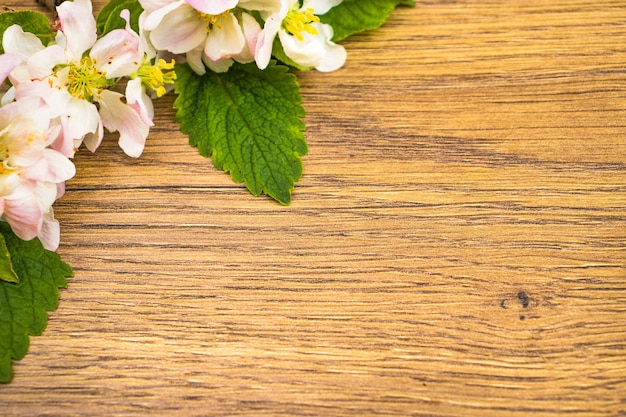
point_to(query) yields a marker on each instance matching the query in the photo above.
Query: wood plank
(456, 246)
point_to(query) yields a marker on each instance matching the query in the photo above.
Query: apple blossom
(31, 174)
(211, 33)
(305, 40)
(74, 75)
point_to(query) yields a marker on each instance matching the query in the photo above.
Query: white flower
(208, 32)
(75, 74)
(305, 40)
(31, 174)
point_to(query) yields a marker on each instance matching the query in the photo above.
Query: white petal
(225, 38)
(117, 116)
(78, 25)
(42, 63)
(314, 50)
(320, 6)
(154, 15)
(308, 53)
(22, 44)
(80, 118)
(179, 31)
(194, 60)
(335, 55)
(150, 6)
(261, 5)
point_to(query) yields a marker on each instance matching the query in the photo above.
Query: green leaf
(7, 273)
(249, 120)
(23, 306)
(30, 21)
(109, 19)
(353, 16)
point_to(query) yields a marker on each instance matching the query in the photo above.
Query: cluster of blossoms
(61, 95)
(214, 33)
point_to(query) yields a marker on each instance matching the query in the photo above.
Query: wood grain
(456, 246)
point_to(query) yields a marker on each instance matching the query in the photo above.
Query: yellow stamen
(211, 19)
(298, 21)
(156, 76)
(84, 80)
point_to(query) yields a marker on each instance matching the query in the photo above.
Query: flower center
(298, 21)
(84, 80)
(18, 133)
(212, 19)
(154, 77)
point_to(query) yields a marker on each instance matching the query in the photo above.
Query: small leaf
(30, 21)
(109, 19)
(353, 16)
(249, 120)
(23, 306)
(6, 267)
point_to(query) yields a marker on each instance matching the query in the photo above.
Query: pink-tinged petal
(24, 142)
(225, 38)
(117, 53)
(57, 99)
(152, 19)
(32, 109)
(78, 25)
(179, 31)
(24, 215)
(217, 66)
(139, 101)
(251, 31)
(60, 168)
(212, 7)
(150, 6)
(22, 44)
(265, 41)
(80, 119)
(42, 63)
(93, 140)
(50, 232)
(118, 116)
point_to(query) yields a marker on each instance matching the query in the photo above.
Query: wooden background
(456, 246)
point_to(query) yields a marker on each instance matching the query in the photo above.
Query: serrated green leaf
(7, 273)
(353, 16)
(249, 120)
(24, 306)
(30, 21)
(109, 19)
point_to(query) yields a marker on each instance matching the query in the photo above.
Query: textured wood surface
(456, 246)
